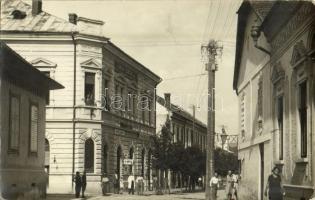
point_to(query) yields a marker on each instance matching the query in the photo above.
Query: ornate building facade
(274, 79)
(94, 123)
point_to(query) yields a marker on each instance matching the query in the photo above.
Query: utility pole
(194, 117)
(211, 50)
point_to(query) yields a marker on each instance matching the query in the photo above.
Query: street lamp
(223, 137)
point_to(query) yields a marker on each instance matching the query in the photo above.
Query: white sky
(166, 36)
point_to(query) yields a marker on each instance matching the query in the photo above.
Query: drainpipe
(74, 104)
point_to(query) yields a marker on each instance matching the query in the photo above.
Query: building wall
(280, 77)
(20, 169)
(127, 129)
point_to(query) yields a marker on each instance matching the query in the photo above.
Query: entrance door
(262, 169)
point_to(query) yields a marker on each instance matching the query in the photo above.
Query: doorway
(262, 169)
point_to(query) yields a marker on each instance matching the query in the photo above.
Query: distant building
(23, 90)
(185, 128)
(274, 81)
(94, 124)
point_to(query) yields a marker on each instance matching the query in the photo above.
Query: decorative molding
(49, 137)
(43, 63)
(299, 52)
(89, 133)
(278, 73)
(91, 64)
(296, 21)
(120, 69)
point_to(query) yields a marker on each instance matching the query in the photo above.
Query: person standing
(274, 187)
(116, 184)
(78, 184)
(83, 183)
(104, 181)
(214, 184)
(229, 184)
(131, 185)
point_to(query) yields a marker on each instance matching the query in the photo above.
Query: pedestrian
(78, 184)
(235, 179)
(83, 183)
(121, 186)
(274, 187)
(214, 184)
(141, 186)
(229, 184)
(131, 185)
(154, 185)
(104, 181)
(116, 183)
(138, 185)
(167, 185)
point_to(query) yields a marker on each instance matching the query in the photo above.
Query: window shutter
(14, 122)
(34, 128)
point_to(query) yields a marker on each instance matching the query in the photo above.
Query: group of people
(80, 184)
(231, 185)
(274, 189)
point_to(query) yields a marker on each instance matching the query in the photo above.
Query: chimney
(167, 97)
(73, 18)
(36, 7)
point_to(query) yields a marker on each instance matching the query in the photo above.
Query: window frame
(94, 88)
(92, 169)
(280, 128)
(303, 111)
(10, 149)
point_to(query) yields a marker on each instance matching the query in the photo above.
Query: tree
(161, 152)
(225, 161)
(194, 165)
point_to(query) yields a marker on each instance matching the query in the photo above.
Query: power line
(183, 77)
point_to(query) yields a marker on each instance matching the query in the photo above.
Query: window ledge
(302, 161)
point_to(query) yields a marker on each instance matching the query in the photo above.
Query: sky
(166, 36)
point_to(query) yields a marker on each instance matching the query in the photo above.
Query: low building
(274, 80)
(185, 127)
(24, 91)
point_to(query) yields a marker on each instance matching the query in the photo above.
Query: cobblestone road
(178, 196)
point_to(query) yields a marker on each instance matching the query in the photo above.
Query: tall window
(34, 123)
(47, 95)
(192, 138)
(14, 123)
(131, 157)
(142, 162)
(280, 125)
(106, 95)
(303, 117)
(150, 112)
(89, 156)
(89, 88)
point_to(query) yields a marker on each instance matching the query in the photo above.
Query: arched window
(118, 162)
(142, 162)
(149, 168)
(131, 151)
(89, 156)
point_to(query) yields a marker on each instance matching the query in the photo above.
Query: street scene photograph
(157, 99)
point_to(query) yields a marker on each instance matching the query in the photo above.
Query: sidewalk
(177, 196)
